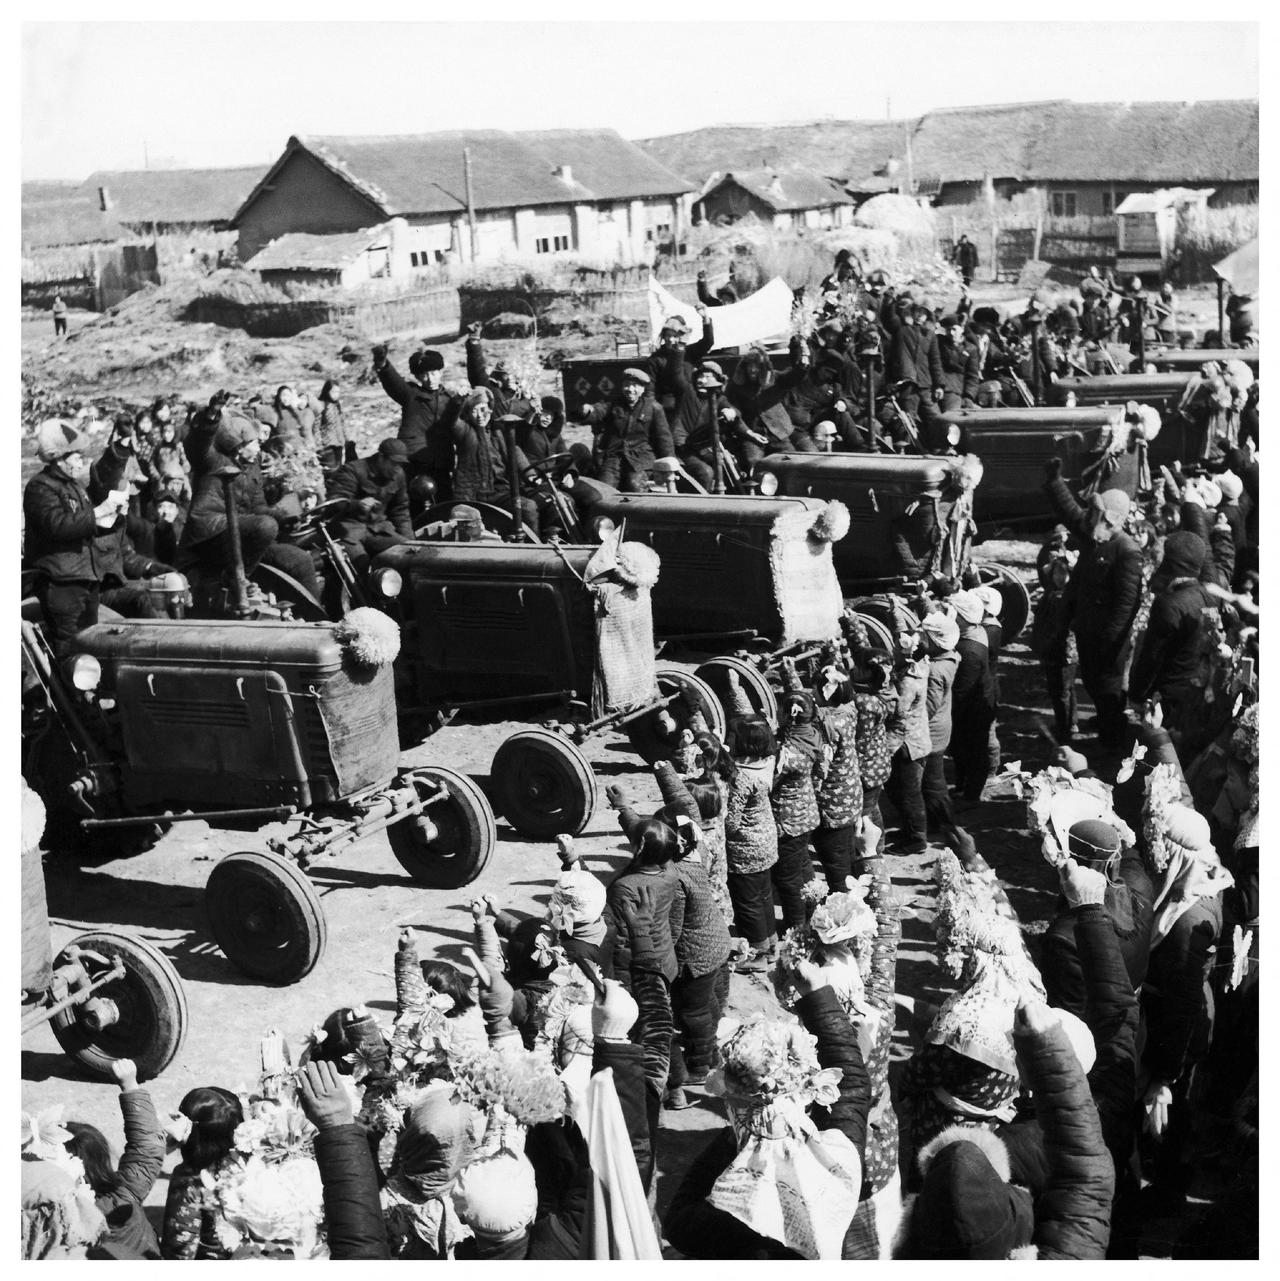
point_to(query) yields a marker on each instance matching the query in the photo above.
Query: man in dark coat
(671, 365)
(631, 433)
(375, 503)
(481, 475)
(60, 527)
(204, 543)
(966, 258)
(960, 366)
(1169, 661)
(427, 411)
(1101, 598)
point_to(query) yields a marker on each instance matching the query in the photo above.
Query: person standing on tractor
(60, 525)
(672, 363)
(427, 413)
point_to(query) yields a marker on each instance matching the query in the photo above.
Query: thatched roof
(784, 190)
(300, 251)
(70, 220)
(1190, 143)
(424, 173)
(605, 163)
(832, 148)
(1199, 143)
(145, 196)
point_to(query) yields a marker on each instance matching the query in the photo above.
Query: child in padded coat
(751, 839)
(840, 796)
(120, 1190)
(802, 763)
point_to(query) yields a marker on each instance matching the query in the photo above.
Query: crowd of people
(1051, 1106)
(1059, 1101)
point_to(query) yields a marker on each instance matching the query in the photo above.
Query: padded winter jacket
(425, 419)
(60, 527)
(1073, 1213)
(129, 1232)
(353, 1214)
(639, 434)
(699, 930)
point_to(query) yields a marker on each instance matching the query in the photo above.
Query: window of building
(413, 260)
(542, 245)
(551, 244)
(562, 243)
(1062, 204)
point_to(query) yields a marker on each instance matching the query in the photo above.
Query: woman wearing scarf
(782, 1180)
(973, 701)
(840, 795)
(1176, 1002)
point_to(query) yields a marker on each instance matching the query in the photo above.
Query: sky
(133, 94)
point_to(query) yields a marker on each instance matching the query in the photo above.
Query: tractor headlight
(388, 583)
(602, 527)
(769, 483)
(85, 672)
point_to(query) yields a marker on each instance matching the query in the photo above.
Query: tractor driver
(374, 514)
(235, 450)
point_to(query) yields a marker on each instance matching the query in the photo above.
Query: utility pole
(146, 163)
(471, 204)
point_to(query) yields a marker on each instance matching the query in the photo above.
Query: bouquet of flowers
(421, 1042)
(764, 1059)
(1163, 790)
(273, 1203)
(843, 917)
(1057, 800)
(522, 1085)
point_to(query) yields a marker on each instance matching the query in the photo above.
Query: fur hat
(991, 599)
(1231, 486)
(552, 405)
(393, 450)
(968, 606)
(675, 325)
(478, 396)
(1113, 504)
(966, 1207)
(56, 439)
(1210, 494)
(233, 435)
(709, 368)
(941, 629)
(425, 362)
(497, 1195)
(1184, 554)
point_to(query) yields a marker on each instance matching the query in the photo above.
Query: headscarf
(436, 1143)
(789, 1181)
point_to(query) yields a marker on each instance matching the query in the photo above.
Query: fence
(434, 311)
(478, 302)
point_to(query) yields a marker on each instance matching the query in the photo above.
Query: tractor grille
(177, 711)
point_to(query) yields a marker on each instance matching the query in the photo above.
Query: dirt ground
(367, 896)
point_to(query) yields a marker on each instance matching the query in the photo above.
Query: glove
(615, 1014)
(1053, 469)
(218, 399)
(1082, 885)
(379, 355)
(1156, 1104)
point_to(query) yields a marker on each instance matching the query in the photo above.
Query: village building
(587, 192)
(1084, 158)
(345, 260)
(787, 199)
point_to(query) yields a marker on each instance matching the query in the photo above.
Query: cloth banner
(619, 1225)
(766, 314)
(1239, 270)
